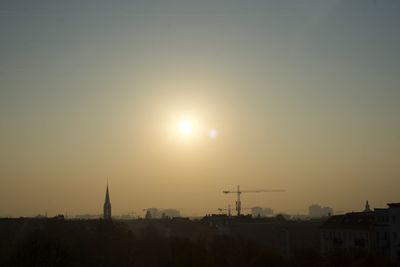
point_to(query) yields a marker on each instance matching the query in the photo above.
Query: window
(394, 236)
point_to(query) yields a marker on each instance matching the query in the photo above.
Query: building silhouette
(154, 213)
(350, 231)
(261, 212)
(376, 231)
(316, 211)
(107, 206)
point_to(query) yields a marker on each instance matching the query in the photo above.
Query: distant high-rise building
(154, 213)
(316, 211)
(170, 213)
(107, 206)
(326, 212)
(261, 212)
(257, 212)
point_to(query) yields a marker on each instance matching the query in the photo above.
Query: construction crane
(228, 210)
(239, 192)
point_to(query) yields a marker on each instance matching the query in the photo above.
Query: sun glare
(185, 127)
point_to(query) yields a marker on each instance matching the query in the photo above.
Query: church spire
(107, 206)
(107, 200)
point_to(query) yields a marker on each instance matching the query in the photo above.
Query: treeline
(102, 243)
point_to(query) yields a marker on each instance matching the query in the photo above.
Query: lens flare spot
(212, 133)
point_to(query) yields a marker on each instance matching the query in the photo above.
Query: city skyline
(315, 211)
(176, 101)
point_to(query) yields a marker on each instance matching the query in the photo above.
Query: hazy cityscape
(200, 133)
(368, 237)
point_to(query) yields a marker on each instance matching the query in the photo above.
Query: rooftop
(353, 220)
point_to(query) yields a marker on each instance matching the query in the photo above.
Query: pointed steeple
(107, 206)
(107, 195)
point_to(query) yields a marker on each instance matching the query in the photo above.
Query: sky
(303, 95)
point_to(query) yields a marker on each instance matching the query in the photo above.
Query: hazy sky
(305, 96)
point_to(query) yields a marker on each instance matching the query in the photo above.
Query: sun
(185, 127)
